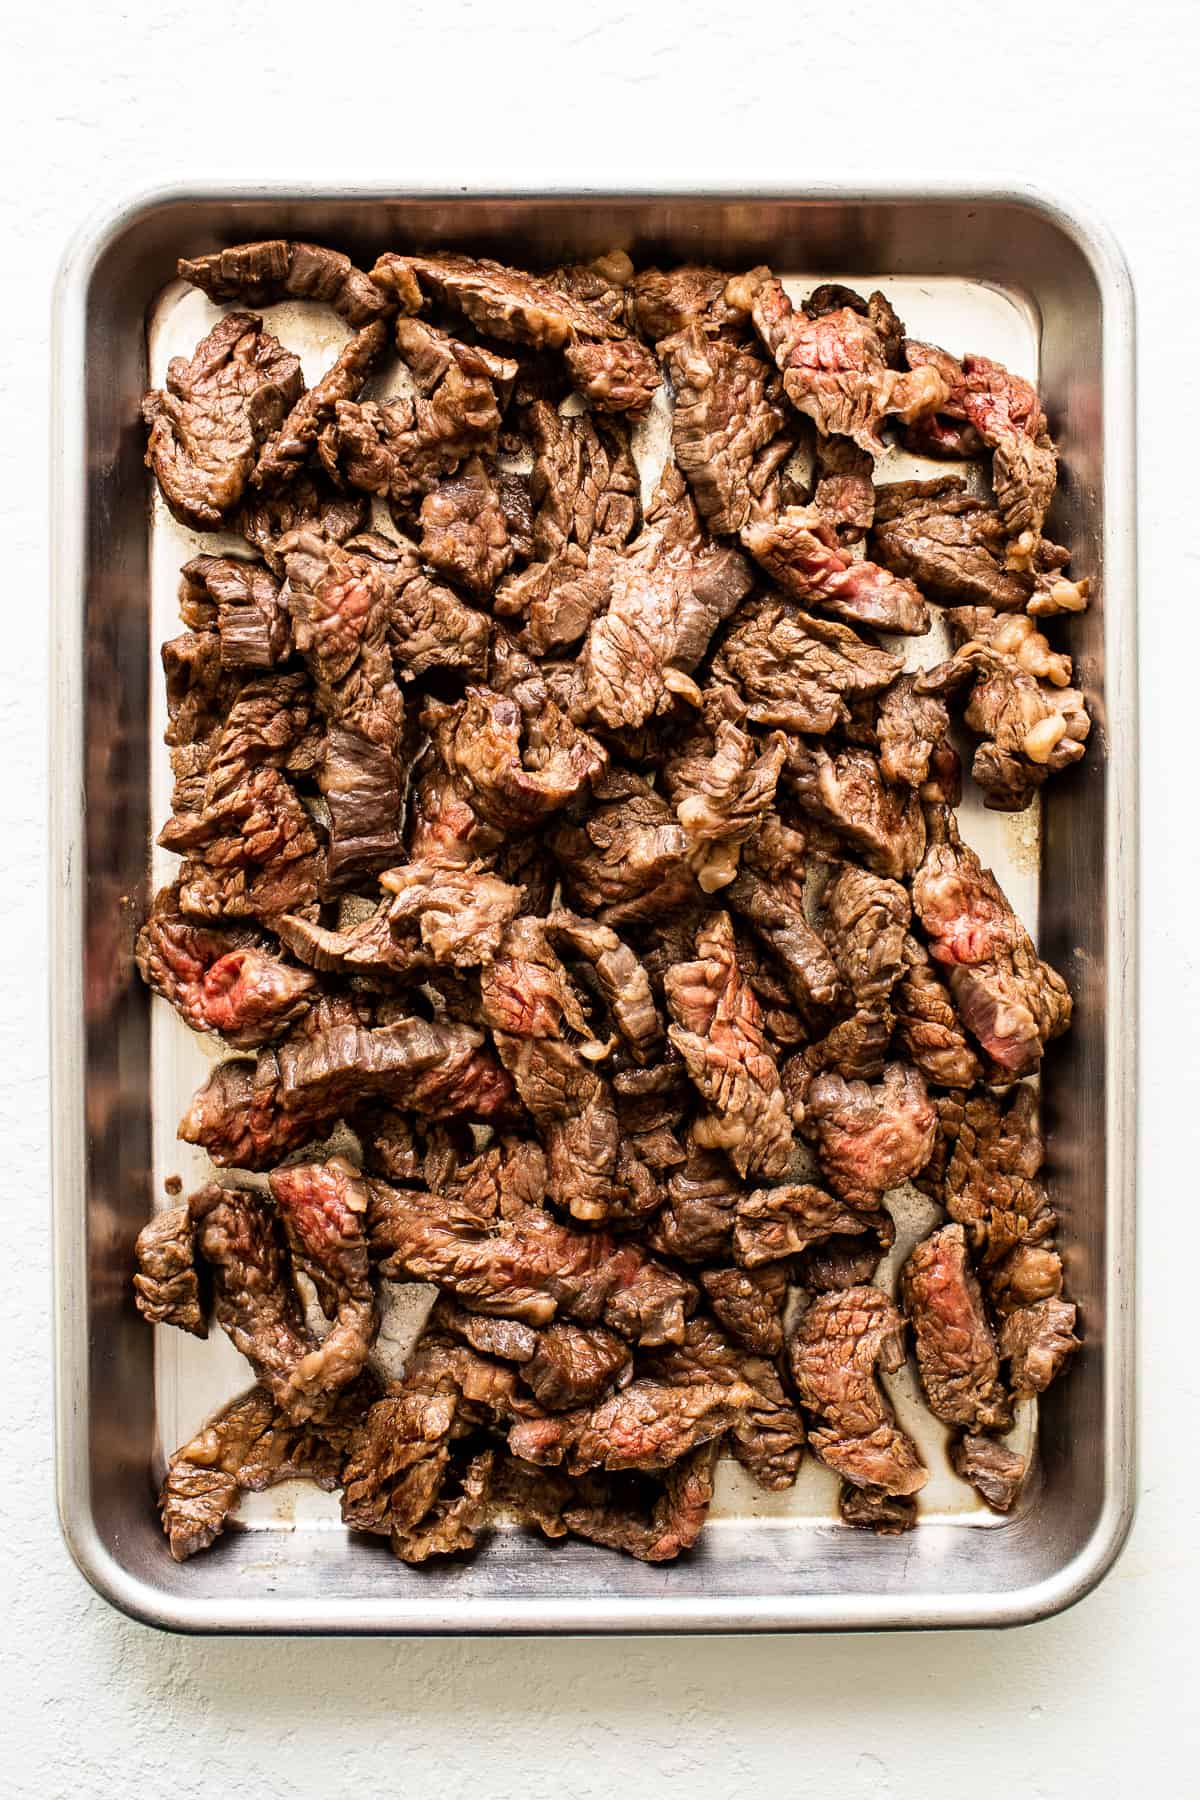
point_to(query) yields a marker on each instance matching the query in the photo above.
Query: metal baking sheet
(1008, 277)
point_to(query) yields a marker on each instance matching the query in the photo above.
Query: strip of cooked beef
(727, 410)
(797, 672)
(261, 274)
(518, 308)
(249, 1446)
(910, 728)
(240, 1240)
(834, 1352)
(647, 1425)
(786, 1021)
(429, 626)
(601, 283)
(460, 914)
(668, 301)
(994, 1470)
(400, 449)
(242, 600)
(721, 787)
(166, 1285)
(323, 1208)
(1009, 1001)
(527, 1266)
(774, 1223)
(799, 549)
(437, 1070)
(847, 792)
(718, 1032)
(835, 366)
(775, 908)
(871, 1509)
(696, 1223)
(865, 920)
(951, 543)
(517, 755)
(869, 1139)
(225, 981)
(339, 607)
(667, 597)
(500, 1182)
(844, 489)
(956, 1348)
(573, 1365)
(209, 422)
(749, 1304)
(307, 500)
(1031, 726)
(845, 1261)
(250, 848)
(626, 860)
(1005, 412)
(617, 976)
(856, 1047)
(236, 1116)
(767, 1432)
(1036, 1341)
(653, 1520)
(464, 534)
(928, 1028)
(288, 449)
(507, 1339)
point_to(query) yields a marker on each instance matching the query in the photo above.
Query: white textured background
(1098, 101)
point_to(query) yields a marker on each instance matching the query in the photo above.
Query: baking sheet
(193, 1378)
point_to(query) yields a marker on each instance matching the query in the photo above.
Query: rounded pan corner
(137, 1600)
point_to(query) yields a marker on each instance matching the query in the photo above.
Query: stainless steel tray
(1011, 275)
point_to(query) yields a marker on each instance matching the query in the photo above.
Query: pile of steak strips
(588, 861)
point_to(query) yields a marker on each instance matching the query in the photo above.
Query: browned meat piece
(614, 377)
(866, 919)
(749, 1304)
(307, 500)
(1032, 727)
(460, 914)
(648, 1425)
(237, 1117)
(928, 1028)
(844, 1261)
(226, 981)
(767, 1432)
(797, 672)
(238, 1237)
(847, 792)
(1006, 414)
(844, 494)
(1009, 1001)
(910, 726)
(400, 449)
(249, 1446)
(507, 1339)
(653, 1521)
(1037, 1340)
(323, 1208)
(696, 1224)
(526, 1267)
(572, 1365)
(956, 1350)
(718, 1032)
(856, 1047)
(871, 1509)
(799, 549)
(263, 273)
(428, 625)
(834, 1352)
(835, 366)
(289, 448)
(665, 302)
(720, 798)
(208, 423)
(869, 1139)
(601, 283)
(627, 859)
(727, 410)
(518, 757)
(242, 600)
(778, 1222)
(997, 1472)
(438, 1070)
(464, 535)
(166, 1285)
(503, 303)
(951, 543)
(617, 976)
(776, 911)
(502, 1181)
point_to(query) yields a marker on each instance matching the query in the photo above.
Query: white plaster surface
(1099, 102)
